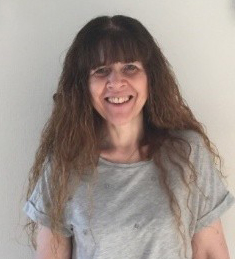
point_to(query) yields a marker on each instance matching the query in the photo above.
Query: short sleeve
(38, 204)
(218, 199)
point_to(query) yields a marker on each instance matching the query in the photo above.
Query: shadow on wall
(233, 4)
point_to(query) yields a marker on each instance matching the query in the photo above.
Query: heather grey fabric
(132, 217)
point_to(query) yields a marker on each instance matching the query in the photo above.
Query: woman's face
(119, 91)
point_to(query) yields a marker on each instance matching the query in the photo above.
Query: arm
(209, 243)
(44, 242)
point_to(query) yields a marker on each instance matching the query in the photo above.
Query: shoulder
(198, 152)
(192, 137)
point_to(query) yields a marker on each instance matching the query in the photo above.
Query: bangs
(107, 47)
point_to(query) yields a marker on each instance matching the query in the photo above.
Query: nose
(115, 80)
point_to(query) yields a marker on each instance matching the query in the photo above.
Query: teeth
(118, 99)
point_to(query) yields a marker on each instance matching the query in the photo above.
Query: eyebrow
(104, 65)
(125, 63)
(94, 69)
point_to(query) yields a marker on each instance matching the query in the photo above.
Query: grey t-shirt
(131, 216)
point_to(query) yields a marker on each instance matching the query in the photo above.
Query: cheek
(146, 88)
(93, 89)
(141, 81)
(95, 95)
(96, 86)
(143, 87)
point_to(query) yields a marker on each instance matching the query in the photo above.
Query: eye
(103, 71)
(130, 68)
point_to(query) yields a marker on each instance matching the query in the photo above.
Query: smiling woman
(121, 135)
(119, 92)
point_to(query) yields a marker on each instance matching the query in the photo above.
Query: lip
(119, 107)
(117, 96)
(131, 96)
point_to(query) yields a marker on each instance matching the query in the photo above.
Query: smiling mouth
(118, 100)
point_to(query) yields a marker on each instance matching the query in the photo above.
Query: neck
(124, 137)
(121, 143)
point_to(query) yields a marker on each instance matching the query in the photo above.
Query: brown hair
(74, 132)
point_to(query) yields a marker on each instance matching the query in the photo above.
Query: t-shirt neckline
(124, 165)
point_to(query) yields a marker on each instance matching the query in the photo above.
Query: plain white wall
(197, 37)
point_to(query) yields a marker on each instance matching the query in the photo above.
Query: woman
(124, 170)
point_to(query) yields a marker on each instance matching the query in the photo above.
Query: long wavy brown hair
(73, 135)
